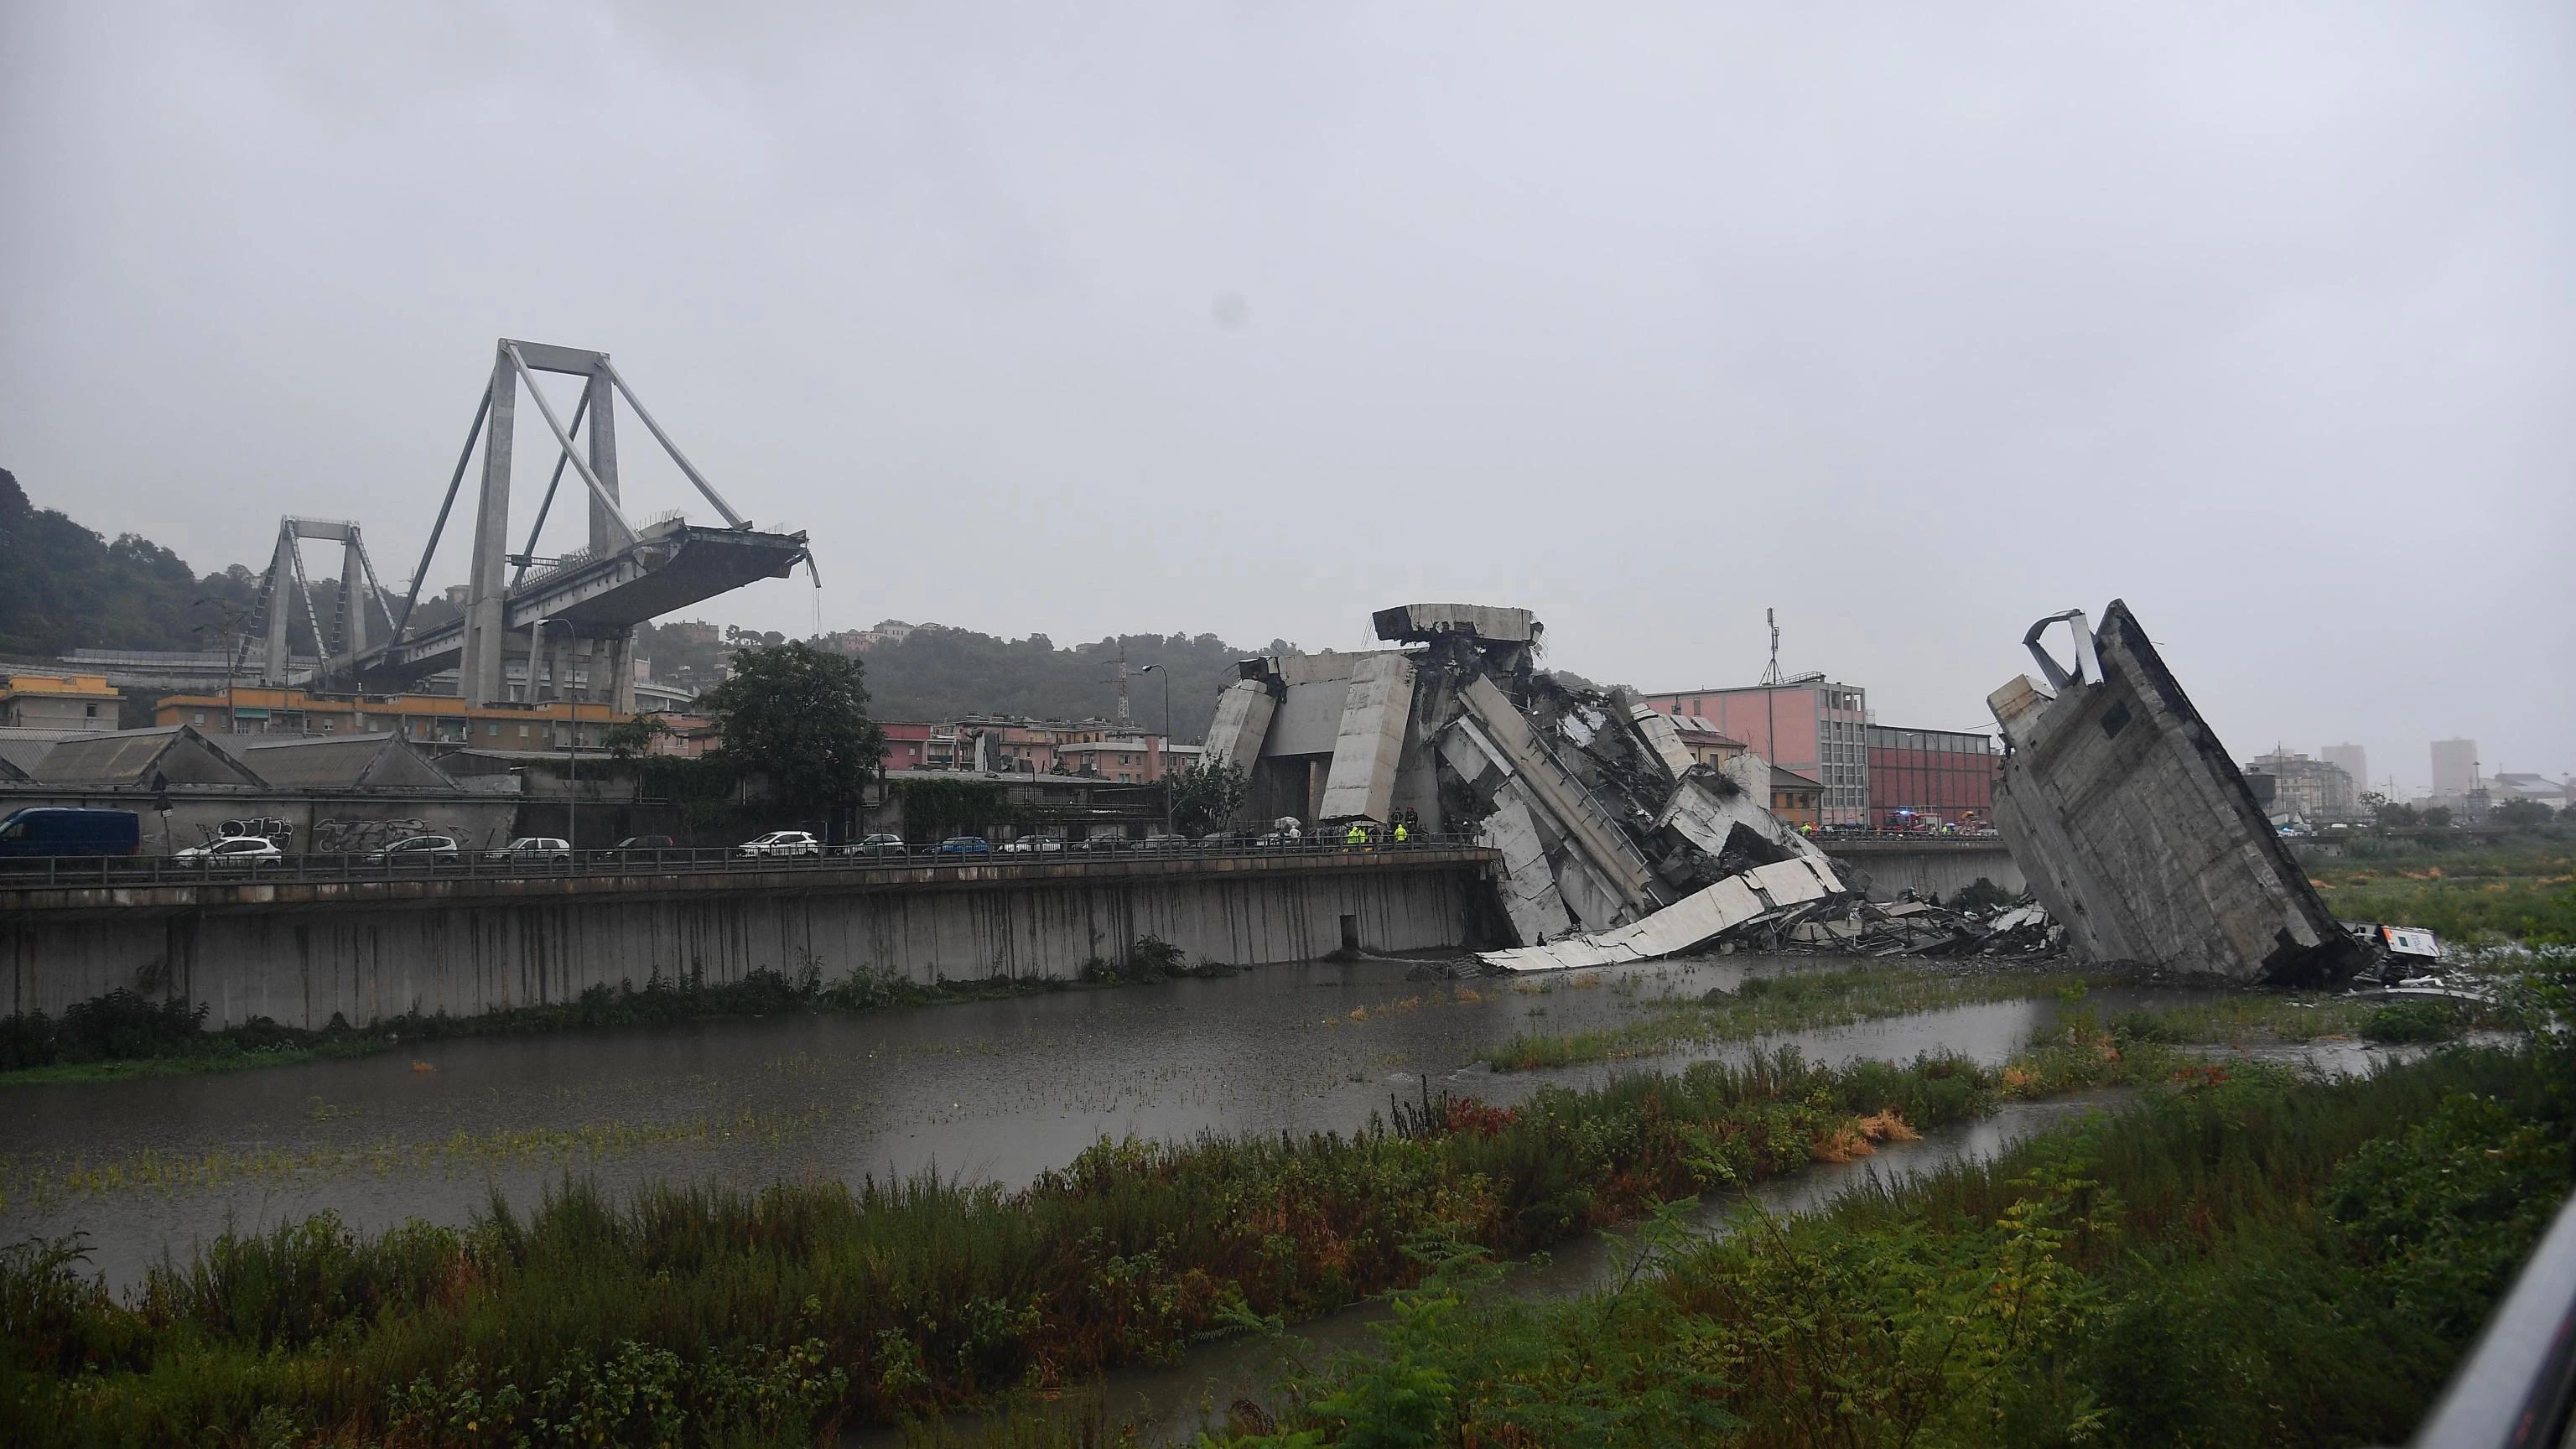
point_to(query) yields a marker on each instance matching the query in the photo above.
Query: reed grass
(2254, 1258)
(867, 1303)
(1769, 1005)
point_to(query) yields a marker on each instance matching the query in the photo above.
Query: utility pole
(1167, 711)
(1770, 693)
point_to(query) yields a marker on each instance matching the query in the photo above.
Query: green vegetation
(823, 1304)
(797, 717)
(2262, 1260)
(937, 672)
(2253, 1018)
(64, 587)
(934, 810)
(1206, 796)
(2518, 887)
(1801, 1001)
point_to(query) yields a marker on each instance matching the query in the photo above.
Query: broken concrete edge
(1691, 921)
(2149, 848)
(1601, 816)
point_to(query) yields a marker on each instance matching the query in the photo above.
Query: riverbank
(122, 1036)
(2254, 1256)
(807, 1305)
(1773, 1005)
(2252, 1259)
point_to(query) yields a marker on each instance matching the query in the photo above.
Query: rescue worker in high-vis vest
(1357, 836)
(1400, 834)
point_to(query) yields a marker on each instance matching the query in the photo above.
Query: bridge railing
(79, 872)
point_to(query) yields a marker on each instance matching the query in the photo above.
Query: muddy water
(993, 1090)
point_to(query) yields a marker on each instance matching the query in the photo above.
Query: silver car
(247, 852)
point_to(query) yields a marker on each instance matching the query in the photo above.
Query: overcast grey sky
(1913, 321)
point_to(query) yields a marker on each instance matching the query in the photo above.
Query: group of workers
(1404, 828)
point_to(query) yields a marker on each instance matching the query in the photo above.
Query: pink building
(1814, 728)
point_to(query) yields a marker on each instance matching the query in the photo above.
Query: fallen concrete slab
(2134, 827)
(1693, 920)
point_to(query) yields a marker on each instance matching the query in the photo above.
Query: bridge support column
(479, 676)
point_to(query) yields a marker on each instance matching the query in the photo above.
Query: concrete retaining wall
(380, 949)
(1943, 866)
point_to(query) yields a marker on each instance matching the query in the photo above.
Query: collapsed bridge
(1615, 843)
(570, 616)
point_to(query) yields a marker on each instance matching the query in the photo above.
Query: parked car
(965, 845)
(1164, 842)
(421, 850)
(643, 847)
(1035, 845)
(783, 842)
(45, 830)
(246, 851)
(880, 845)
(534, 848)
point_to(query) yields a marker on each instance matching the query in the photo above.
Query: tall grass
(854, 1304)
(2247, 1260)
(1802, 1001)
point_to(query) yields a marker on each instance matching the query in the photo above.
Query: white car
(783, 842)
(1035, 845)
(535, 847)
(419, 850)
(244, 850)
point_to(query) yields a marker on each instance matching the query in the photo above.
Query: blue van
(48, 831)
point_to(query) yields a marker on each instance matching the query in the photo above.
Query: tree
(2522, 814)
(2438, 816)
(635, 736)
(798, 716)
(1204, 797)
(2390, 813)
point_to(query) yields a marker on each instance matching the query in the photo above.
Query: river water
(997, 1091)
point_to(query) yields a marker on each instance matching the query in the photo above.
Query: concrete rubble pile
(1616, 844)
(2135, 829)
(2022, 930)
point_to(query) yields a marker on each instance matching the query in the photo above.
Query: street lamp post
(1167, 711)
(572, 735)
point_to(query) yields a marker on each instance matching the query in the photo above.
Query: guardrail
(2515, 1389)
(35, 873)
(1911, 837)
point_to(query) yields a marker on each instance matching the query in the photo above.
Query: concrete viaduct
(302, 949)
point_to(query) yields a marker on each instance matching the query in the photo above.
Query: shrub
(2411, 1021)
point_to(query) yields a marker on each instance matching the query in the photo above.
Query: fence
(26, 873)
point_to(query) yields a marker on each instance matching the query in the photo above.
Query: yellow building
(57, 701)
(428, 719)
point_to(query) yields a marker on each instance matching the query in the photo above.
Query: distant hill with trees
(940, 673)
(65, 587)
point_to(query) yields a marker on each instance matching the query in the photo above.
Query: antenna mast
(1125, 719)
(1772, 674)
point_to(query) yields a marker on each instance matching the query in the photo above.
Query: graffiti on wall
(357, 837)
